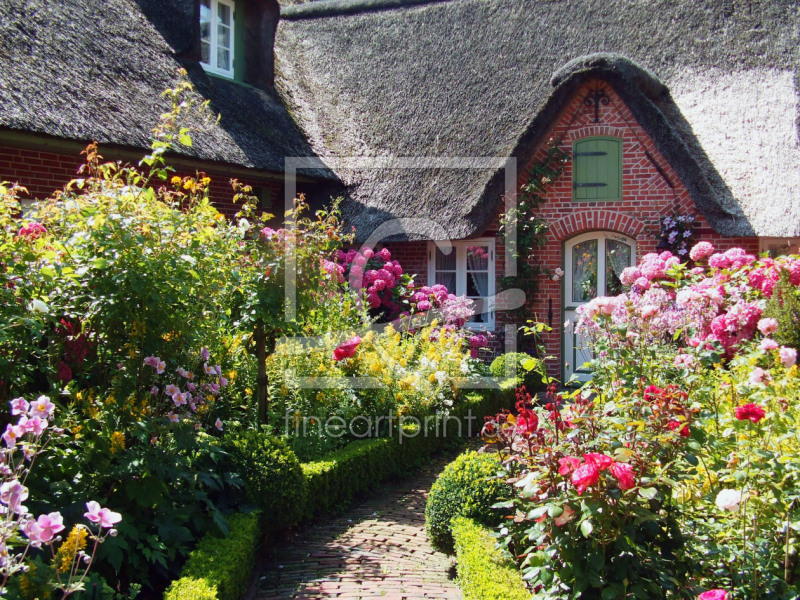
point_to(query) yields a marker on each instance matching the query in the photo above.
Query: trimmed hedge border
(364, 464)
(483, 573)
(219, 568)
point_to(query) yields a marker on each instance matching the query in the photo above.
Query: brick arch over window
(605, 220)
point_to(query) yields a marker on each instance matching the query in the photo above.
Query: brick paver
(377, 550)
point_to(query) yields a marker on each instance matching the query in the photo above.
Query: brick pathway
(376, 550)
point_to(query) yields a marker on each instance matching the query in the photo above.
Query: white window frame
(212, 68)
(460, 248)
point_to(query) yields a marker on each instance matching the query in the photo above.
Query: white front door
(592, 266)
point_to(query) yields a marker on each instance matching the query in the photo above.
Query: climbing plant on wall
(531, 228)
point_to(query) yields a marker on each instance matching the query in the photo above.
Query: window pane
(477, 284)
(223, 13)
(618, 257)
(223, 59)
(205, 52)
(477, 258)
(445, 262)
(448, 280)
(223, 37)
(584, 271)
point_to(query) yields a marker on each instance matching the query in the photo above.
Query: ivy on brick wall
(531, 228)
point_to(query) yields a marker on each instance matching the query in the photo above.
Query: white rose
(40, 307)
(729, 500)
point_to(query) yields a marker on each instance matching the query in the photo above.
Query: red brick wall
(646, 199)
(42, 173)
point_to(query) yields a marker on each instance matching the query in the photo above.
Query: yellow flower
(176, 180)
(79, 395)
(138, 329)
(75, 542)
(117, 442)
(232, 375)
(110, 399)
(248, 391)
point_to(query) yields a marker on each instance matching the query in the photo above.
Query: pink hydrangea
(701, 250)
(713, 595)
(368, 253)
(423, 305)
(385, 254)
(719, 261)
(642, 283)
(629, 275)
(373, 300)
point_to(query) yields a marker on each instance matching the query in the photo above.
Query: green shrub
(463, 489)
(273, 478)
(483, 573)
(530, 370)
(219, 568)
(784, 307)
(191, 589)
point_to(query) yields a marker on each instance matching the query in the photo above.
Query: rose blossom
(788, 357)
(624, 474)
(601, 461)
(752, 412)
(767, 326)
(584, 476)
(683, 361)
(758, 375)
(729, 500)
(681, 428)
(346, 349)
(649, 310)
(568, 464)
(768, 344)
(713, 595)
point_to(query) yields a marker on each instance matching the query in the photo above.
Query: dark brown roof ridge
(335, 8)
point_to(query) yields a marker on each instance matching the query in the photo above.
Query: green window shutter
(597, 169)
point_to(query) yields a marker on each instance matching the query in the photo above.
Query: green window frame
(597, 169)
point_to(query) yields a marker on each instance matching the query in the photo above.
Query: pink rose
(758, 375)
(601, 461)
(585, 476)
(713, 595)
(767, 326)
(624, 474)
(768, 344)
(788, 356)
(701, 250)
(649, 310)
(568, 464)
(346, 349)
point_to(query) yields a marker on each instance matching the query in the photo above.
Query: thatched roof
(715, 83)
(91, 70)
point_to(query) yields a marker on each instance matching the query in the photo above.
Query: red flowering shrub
(591, 479)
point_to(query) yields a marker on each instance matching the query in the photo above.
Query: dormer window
(216, 36)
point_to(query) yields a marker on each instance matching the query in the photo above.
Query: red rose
(584, 476)
(624, 474)
(750, 411)
(681, 428)
(652, 392)
(527, 422)
(601, 461)
(64, 372)
(568, 465)
(347, 349)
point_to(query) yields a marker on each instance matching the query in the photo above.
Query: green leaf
(692, 460)
(100, 263)
(648, 493)
(587, 528)
(185, 139)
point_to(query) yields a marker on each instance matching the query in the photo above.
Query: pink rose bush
(709, 353)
